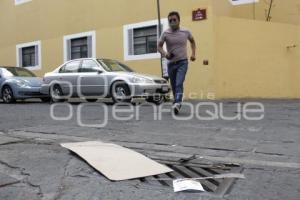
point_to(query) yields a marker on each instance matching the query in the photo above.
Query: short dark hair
(174, 13)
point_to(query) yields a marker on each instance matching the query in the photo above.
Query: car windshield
(114, 66)
(17, 71)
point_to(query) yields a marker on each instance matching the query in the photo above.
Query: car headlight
(140, 80)
(22, 83)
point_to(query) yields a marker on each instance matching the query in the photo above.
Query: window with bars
(79, 48)
(80, 45)
(140, 39)
(145, 40)
(29, 56)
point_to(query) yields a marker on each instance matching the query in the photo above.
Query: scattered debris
(187, 184)
(185, 160)
(116, 162)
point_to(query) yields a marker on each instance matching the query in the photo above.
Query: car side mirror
(99, 71)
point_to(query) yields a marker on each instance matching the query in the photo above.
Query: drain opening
(217, 187)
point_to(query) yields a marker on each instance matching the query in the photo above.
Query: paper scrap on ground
(186, 184)
(116, 162)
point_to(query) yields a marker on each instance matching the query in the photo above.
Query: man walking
(176, 40)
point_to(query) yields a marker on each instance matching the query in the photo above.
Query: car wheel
(157, 99)
(56, 94)
(7, 95)
(120, 92)
(46, 99)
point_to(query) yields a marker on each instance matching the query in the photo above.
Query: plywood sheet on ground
(116, 162)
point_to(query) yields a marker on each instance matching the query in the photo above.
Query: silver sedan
(91, 78)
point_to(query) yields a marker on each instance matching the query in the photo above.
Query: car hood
(32, 81)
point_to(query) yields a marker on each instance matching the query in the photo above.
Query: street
(33, 165)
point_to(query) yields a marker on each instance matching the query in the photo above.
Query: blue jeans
(177, 72)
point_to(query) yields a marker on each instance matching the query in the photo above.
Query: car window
(6, 73)
(71, 67)
(114, 66)
(18, 72)
(89, 66)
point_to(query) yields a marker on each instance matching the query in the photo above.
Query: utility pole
(159, 33)
(254, 9)
(269, 11)
(159, 18)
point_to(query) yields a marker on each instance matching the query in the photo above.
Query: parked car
(92, 78)
(19, 83)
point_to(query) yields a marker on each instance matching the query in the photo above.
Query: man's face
(174, 22)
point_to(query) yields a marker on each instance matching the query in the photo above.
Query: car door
(92, 81)
(69, 74)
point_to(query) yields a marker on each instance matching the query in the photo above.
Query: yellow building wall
(222, 8)
(50, 20)
(283, 11)
(295, 70)
(247, 58)
(253, 60)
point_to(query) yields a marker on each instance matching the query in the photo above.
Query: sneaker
(176, 108)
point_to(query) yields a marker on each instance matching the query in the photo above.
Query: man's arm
(161, 49)
(193, 46)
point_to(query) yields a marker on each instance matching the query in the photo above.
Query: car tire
(8, 95)
(57, 91)
(120, 92)
(46, 99)
(158, 99)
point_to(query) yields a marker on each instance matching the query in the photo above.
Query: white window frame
(79, 35)
(19, 2)
(38, 54)
(126, 44)
(241, 2)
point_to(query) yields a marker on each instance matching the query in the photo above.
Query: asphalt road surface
(34, 166)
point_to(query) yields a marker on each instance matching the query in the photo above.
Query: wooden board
(116, 162)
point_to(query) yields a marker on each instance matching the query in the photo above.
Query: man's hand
(193, 58)
(168, 56)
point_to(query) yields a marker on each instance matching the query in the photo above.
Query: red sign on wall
(199, 14)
